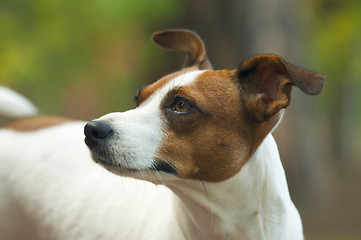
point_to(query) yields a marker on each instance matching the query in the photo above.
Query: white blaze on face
(138, 133)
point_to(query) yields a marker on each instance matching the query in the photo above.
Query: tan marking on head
(234, 110)
(36, 123)
(146, 92)
(215, 140)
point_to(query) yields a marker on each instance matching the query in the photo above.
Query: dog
(195, 159)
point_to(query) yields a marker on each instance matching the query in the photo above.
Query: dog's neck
(254, 204)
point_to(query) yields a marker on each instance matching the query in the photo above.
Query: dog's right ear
(266, 82)
(184, 41)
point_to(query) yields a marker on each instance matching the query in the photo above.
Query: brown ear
(266, 83)
(184, 41)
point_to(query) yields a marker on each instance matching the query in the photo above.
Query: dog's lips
(101, 158)
(107, 163)
(165, 167)
(102, 161)
(110, 165)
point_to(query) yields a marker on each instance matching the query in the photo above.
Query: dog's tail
(13, 105)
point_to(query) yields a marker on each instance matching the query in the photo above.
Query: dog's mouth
(103, 161)
(110, 164)
(166, 167)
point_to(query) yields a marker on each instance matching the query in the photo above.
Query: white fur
(51, 189)
(14, 105)
(140, 131)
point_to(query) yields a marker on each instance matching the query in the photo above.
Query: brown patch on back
(36, 123)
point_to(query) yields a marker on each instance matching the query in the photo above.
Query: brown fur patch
(146, 92)
(36, 123)
(185, 41)
(233, 112)
(215, 140)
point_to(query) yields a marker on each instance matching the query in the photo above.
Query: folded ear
(184, 41)
(266, 83)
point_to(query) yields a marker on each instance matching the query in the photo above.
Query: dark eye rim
(176, 100)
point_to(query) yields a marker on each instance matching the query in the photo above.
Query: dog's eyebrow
(173, 91)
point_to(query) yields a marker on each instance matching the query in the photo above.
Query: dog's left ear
(266, 83)
(184, 41)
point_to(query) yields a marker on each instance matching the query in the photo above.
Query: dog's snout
(96, 131)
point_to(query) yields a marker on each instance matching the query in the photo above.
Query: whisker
(207, 196)
(183, 77)
(150, 174)
(141, 173)
(158, 174)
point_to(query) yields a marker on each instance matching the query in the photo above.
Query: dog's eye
(182, 106)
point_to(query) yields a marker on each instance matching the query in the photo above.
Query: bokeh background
(82, 59)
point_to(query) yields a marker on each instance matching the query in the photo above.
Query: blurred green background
(82, 59)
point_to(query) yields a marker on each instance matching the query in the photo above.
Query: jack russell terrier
(196, 159)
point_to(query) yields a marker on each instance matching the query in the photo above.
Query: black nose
(96, 131)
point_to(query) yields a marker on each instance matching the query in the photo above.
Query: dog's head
(198, 122)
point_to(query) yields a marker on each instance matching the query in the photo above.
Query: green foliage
(337, 35)
(52, 49)
(336, 44)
